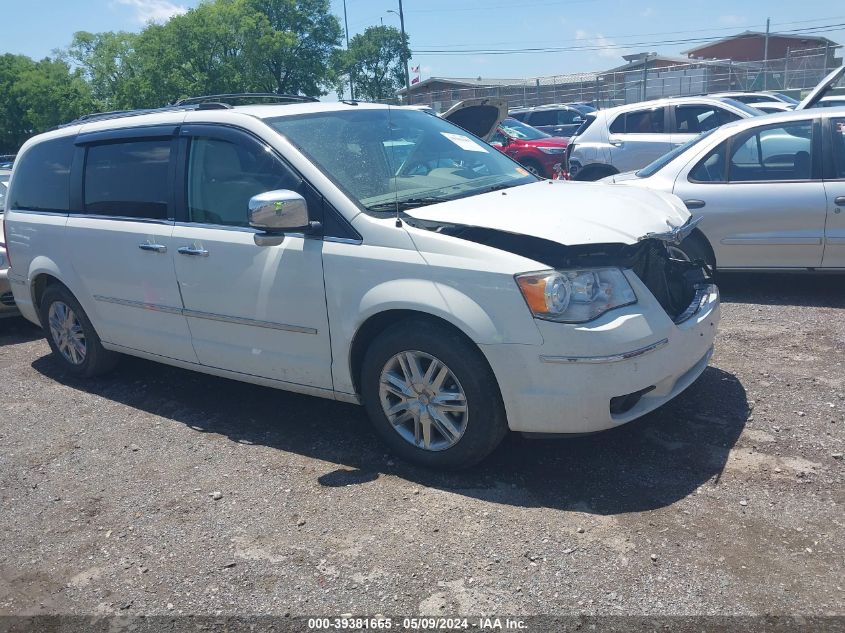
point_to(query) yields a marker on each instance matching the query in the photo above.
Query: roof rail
(243, 96)
(115, 114)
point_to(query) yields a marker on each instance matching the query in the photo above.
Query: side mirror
(280, 211)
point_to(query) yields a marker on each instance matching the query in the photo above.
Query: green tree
(36, 96)
(107, 63)
(375, 60)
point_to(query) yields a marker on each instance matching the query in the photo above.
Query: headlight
(575, 296)
(552, 150)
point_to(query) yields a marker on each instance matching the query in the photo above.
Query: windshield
(749, 110)
(381, 157)
(652, 168)
(521, 131)
(785, 98)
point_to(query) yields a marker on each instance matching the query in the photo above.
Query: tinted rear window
(128, 179)
(42, 177)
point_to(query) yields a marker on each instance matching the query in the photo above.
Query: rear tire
(71, 336)
(417, 374)
(535, 168)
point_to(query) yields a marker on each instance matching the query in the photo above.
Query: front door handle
(156, 248)
(191, 250)
(840, 201)
(617, 143)
(694, 204)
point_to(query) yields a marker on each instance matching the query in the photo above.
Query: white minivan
(360, 252)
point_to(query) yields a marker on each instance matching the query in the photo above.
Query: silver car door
(638, 137)
(834, 234)
(760, 198)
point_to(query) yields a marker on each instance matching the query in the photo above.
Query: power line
(630, 35)
(612, 45)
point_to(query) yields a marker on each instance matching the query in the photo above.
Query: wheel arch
(376, 323)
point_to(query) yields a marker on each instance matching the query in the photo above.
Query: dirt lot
(728, 500)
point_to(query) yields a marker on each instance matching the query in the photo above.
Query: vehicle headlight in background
(575, 296)
(552, 150)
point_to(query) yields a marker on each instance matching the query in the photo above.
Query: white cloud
(153, 10)
(732, 20)
(605, 47)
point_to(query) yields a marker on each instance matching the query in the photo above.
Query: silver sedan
(768, 192)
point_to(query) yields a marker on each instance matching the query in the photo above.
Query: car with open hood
(359, 252)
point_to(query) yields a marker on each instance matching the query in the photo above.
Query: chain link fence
(656, 77)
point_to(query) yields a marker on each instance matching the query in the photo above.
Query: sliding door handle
(190, 250)
(840, 201)
(156, 248)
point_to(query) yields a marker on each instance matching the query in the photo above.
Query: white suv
(631, 136)
(363, 253)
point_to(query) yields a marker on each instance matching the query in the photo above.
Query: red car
(540, 153)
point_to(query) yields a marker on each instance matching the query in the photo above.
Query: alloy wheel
(67, 333)
(423, 400)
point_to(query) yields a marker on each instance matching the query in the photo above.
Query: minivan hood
(569, 213)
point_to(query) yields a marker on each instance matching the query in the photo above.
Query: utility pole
(404, 58)
(346, 25)
(766, 57)
(645, 75)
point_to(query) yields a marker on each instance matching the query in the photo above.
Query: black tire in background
(534, 167)
(97, 360)
(594, 172)
(486, 423)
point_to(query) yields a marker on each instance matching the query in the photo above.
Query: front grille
(673, 282)
(7, 299)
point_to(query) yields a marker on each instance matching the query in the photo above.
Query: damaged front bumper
(599, 375)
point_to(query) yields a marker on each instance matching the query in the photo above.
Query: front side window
(223, 176)
(42, 177)
(639, 122)
(694, 119)
(654, 167)
(779, 152)
(381, 157)
(712, 168)
(128, 179)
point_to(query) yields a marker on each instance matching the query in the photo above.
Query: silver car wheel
(533, 170)
(67, 333)
(423, 400)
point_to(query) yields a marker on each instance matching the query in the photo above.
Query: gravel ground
(161, 491)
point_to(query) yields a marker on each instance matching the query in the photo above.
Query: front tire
(431, 395)
(534, 168)
(71, 336)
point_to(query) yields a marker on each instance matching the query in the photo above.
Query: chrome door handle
(190, 250)
(694, 204)
(156, 248)
(840, 201)
(617, 143)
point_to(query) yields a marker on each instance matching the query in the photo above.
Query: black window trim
(112, 137)
(829, 174)
(345, 231)
(815, 168)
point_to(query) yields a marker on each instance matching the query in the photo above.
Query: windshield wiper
(406, 203)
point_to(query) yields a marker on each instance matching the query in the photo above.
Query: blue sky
(36, 27)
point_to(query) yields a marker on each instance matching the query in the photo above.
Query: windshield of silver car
(388, 158)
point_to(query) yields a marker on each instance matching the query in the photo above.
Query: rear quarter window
(42, 177)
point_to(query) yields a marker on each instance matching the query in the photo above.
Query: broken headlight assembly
(575, 296)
